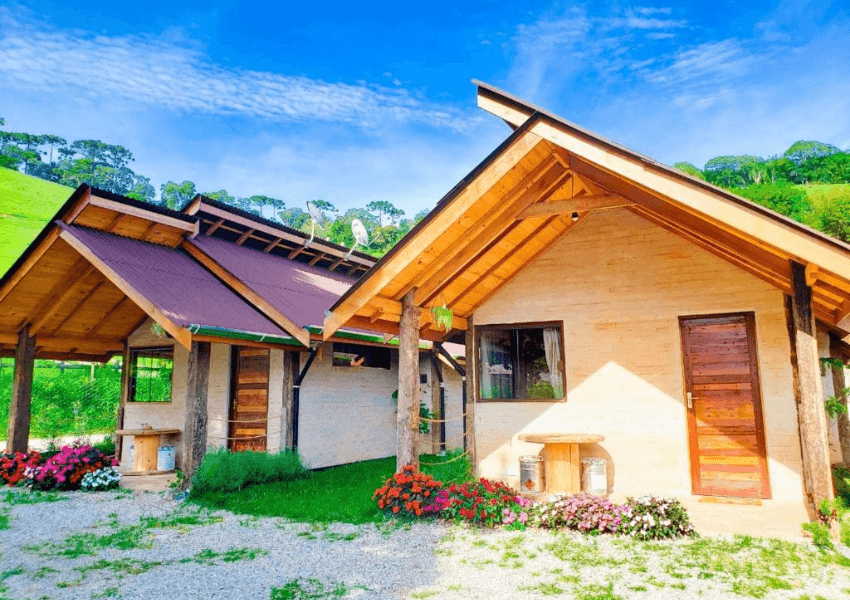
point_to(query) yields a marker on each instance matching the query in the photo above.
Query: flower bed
(62, 470)
(493, 504)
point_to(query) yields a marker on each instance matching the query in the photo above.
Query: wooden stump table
(146, 447)
(561, 458)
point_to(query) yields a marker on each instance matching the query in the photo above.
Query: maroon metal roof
(177, 285)
(301, 292)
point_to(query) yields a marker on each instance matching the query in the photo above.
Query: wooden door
(725, 425)
(249, 404)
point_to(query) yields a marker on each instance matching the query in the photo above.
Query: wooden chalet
(212, 308)
(601, 293)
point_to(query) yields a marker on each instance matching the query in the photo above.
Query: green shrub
(820, 535)
(225, 471)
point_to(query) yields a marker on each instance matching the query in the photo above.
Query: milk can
(531, 477)
(594, 476)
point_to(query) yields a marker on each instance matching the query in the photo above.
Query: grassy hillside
(26, 204)
(819, 193)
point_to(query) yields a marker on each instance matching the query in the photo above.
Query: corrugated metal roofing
(177, 285)
(299, 291)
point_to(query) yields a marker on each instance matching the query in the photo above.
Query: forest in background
(804, 183)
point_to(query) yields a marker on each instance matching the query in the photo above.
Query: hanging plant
(158, 330)
(443, 317)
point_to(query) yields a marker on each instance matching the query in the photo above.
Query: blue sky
(353, 102)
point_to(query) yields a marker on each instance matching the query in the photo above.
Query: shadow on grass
(337, 494)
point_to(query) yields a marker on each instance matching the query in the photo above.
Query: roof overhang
(545, 180)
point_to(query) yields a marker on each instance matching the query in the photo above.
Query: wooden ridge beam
(577, 204)
(241, 288)
(499, 221)
(181, 334)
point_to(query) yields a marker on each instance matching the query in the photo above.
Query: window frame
(479, 365)
(131, 375)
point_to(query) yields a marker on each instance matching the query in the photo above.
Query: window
(150, 374)
(520, 362)
(356, 355)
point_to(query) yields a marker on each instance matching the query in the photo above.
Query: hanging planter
(158, 330)
(442, 317)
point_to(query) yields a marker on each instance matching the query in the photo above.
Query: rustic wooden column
(436, 386)
(195, 429)
(18, 434)
(814, 432)
(839, 383)
(290, 363)
(471, 394)
(407, 418)
(125, 394)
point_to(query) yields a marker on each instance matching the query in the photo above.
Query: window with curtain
(521, 362)
(151, 370)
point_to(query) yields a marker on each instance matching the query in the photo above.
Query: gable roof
(546, 178)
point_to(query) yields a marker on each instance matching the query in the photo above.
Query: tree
(834, 218)
(294, 218)
(257, 204)
(221, 196)
(789, 200)
(384, 210)
(688, 168)
(175, 195)
(805, 149)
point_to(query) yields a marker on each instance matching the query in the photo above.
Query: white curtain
(552, 348)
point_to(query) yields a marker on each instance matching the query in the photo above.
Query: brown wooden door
(725, 424)
(249, 404)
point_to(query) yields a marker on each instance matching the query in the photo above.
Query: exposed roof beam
(81, 302)
(272, 245)
(578, 204)
(147, 215)
(242, 239)
(273, 232)
(241, 288)
(181, 334)
(316, 258)
(58, 296)
(105, 319)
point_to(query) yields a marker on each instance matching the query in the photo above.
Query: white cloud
(648, 11)
(711, 60)
(176, 74)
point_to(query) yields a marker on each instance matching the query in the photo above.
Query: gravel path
(146, 546)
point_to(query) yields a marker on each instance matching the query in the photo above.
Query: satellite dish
(361, 236)
(317, 217)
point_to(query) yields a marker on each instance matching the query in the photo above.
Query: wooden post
(814, 432)
(195, 430)
(290, 364)
(839, 383)
(407, 418)
(436, 386)
(125, 394)
(17, 439)
(471, 395)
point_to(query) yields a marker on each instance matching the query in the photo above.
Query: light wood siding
(620, 283)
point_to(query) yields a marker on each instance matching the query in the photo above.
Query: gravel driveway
(146, 546)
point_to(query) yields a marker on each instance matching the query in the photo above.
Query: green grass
(312, 589)
(26, 205)
(224, 471)
(342, 494)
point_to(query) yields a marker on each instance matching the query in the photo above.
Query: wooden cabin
(602, 294)
(218, 314)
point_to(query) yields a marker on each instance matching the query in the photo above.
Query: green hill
(26, 205)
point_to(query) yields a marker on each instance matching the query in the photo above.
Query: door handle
(690, 400)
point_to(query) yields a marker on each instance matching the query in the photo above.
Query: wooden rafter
(296, 252)
(272, 245)
(456, 298)
(81, 302)
(212, 229)
(105, 319)
(316, 259)
(244, 237)
(149, 232)
(493, 226)
(115, 222)
(566, 223)
(181, 334)
(58, 296)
